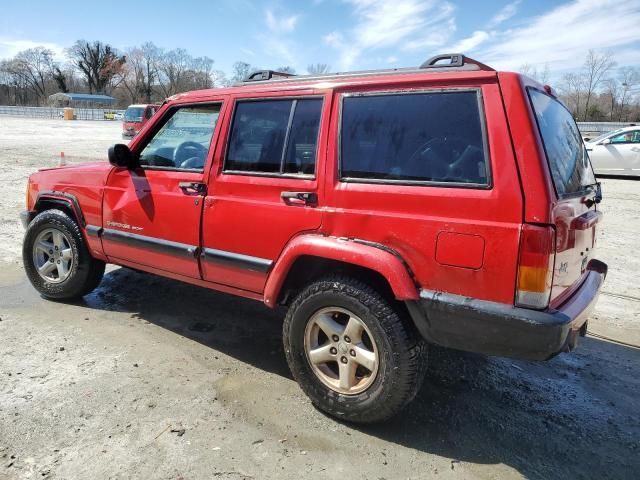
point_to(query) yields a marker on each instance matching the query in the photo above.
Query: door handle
(193, 187)
(635, 149)
(299, 198)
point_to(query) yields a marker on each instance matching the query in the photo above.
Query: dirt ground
(150, 378)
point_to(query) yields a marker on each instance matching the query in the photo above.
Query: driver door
(151, 214)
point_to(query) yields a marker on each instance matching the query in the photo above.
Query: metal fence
(108, 114)
(54, 112)
(600, 127)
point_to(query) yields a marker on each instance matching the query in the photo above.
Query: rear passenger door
(263, 189)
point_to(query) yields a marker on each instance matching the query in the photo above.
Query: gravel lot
(150, 378)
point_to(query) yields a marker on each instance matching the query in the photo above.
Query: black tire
(86, 272)
(402, 352)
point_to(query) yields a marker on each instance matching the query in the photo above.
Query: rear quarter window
(422, 137)
(566, 153)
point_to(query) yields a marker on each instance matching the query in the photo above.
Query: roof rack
(262, 75)
(456, 60)
(443, 62)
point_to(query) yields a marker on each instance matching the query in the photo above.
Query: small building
(80, 100)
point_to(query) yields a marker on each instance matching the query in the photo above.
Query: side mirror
(606, 141)
(121, 156)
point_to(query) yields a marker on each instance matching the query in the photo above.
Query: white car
(616, 153)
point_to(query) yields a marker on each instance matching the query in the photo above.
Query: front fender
(364, 254)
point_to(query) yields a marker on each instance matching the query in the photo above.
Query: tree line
(598, 91)
(140, 74)
(147, 73)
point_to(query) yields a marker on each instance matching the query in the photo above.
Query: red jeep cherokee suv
(447, 204)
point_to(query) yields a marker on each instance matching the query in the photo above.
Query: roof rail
(261, 75)
(456, 60)
(439, 63)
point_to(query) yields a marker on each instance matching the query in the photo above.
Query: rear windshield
(133, 114)
(566, 153)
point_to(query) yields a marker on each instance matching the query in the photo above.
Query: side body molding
(363, 254)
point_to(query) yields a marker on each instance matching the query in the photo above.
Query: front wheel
(353, 352)
(56, 257)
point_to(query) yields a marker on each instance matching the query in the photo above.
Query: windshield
(133, 114)
(604, 135)
(567, 156)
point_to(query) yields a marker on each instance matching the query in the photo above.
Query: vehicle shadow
(576, 416)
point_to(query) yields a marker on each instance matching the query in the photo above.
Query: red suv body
(135, 117)
(449, 204)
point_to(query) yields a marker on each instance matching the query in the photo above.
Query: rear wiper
(597, 198)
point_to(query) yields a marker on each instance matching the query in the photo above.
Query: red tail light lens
(535, 266)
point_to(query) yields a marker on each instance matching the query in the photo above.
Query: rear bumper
(492, 328)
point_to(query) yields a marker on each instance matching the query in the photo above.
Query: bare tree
(32, 69)
(613, 92)
(172, 67)
(200, 70)
(596, 68)
(241, 70)
(543, 76)
(286, 69)
(533, 72)
(141, 71)
(629, 78)
(98, 62)
(572, 88)
(318, 68)
(151, 56)
(219, 79)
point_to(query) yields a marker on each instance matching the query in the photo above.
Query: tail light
(535, 266)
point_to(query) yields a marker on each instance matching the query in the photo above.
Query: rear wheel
(353, 352)
(56, 257)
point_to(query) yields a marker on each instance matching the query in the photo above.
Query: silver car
(616, 153)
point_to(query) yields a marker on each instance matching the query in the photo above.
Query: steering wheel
(439, 157)
(192, 152)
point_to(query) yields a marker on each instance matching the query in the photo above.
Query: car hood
(89, 173)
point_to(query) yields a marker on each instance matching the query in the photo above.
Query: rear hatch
(575, 213)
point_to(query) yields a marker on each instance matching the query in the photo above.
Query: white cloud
(277, 44)
(9, 47)
(282, 24)
(563, 36)
(248, 51)
(508, 11)
(405, 24)
(333, 39)
(466, 44)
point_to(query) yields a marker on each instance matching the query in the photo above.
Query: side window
(632, 136)
(414, 137)
(274, 136)
(183, 140)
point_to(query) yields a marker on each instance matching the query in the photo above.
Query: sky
(346, 34)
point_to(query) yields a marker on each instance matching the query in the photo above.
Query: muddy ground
(150, 378)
